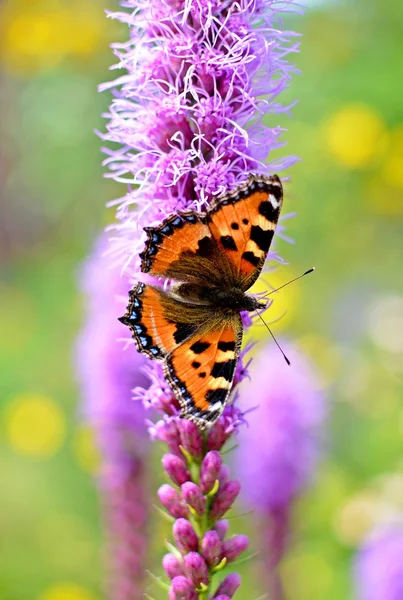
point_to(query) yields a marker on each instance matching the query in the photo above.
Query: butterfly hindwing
(201, 370)
(159, 322)
(243, 224)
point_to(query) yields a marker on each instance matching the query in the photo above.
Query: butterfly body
(195, 326)
(228, 300)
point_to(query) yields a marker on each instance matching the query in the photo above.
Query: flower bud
(191, 439)
(224, 499)
(176, 468)
(182, 589)
(210, 471)
(228, 586)
(233, 547)
(221, 527)
(218, 435)
(196, 569)
(172, 501)
(193, 496)
(172, 566)
(185, 536)
(211, 548)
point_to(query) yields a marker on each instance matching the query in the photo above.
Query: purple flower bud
(167, 431)
(228, 586)
(176, 468)
(182, 589)
(233, 547)
(224, 499)
(221, 527)
(211, 548)
(196, 569)
(191, 439)
(193, 496)
(217, 436)
(222, 597)
(172, 566)
(172, 501)
(210, 470)
(185, 536)
(224, 476)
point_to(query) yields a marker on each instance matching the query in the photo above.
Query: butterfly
(194, 327)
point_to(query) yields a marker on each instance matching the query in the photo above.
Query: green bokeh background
(347, 192)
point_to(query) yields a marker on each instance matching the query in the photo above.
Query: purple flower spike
(172, 501)
(196, 569)
(185, 536)
(192, 439)
(211, 548)
(378, 568)
(172, 566)
(233, 547)
(210, 471)
(193, 496)
(186, 124)
(228, 586)
(107, 373)
(224, 499)
(182, 589)
(176, 468)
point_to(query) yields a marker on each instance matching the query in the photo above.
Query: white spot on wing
(273, 201)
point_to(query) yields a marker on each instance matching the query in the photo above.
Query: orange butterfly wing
(159, 322)
(243, 225)
(224, 248)
(201, 371)
(200, 351)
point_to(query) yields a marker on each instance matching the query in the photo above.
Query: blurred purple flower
(279, 449)
(186, 124)
(378, 567)
(107, 375)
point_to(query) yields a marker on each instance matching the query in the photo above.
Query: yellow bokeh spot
(297, 570)
(392, 169)
(67, 591)
(85, 449)
(355, 136)
(357, 517)
(35, 425)
(283, 307)
(37, 36)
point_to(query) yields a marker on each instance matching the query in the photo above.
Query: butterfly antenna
(291, 281)
(272, 335)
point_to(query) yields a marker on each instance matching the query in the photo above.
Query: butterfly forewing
(243, 225)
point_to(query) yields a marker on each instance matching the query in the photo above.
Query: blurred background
(347, 192)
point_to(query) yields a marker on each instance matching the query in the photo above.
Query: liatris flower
(187, 117)
(378, 568)
(107, 375)
(197, 501)
(280, 447)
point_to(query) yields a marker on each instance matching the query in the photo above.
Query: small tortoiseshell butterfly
(195, 328)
